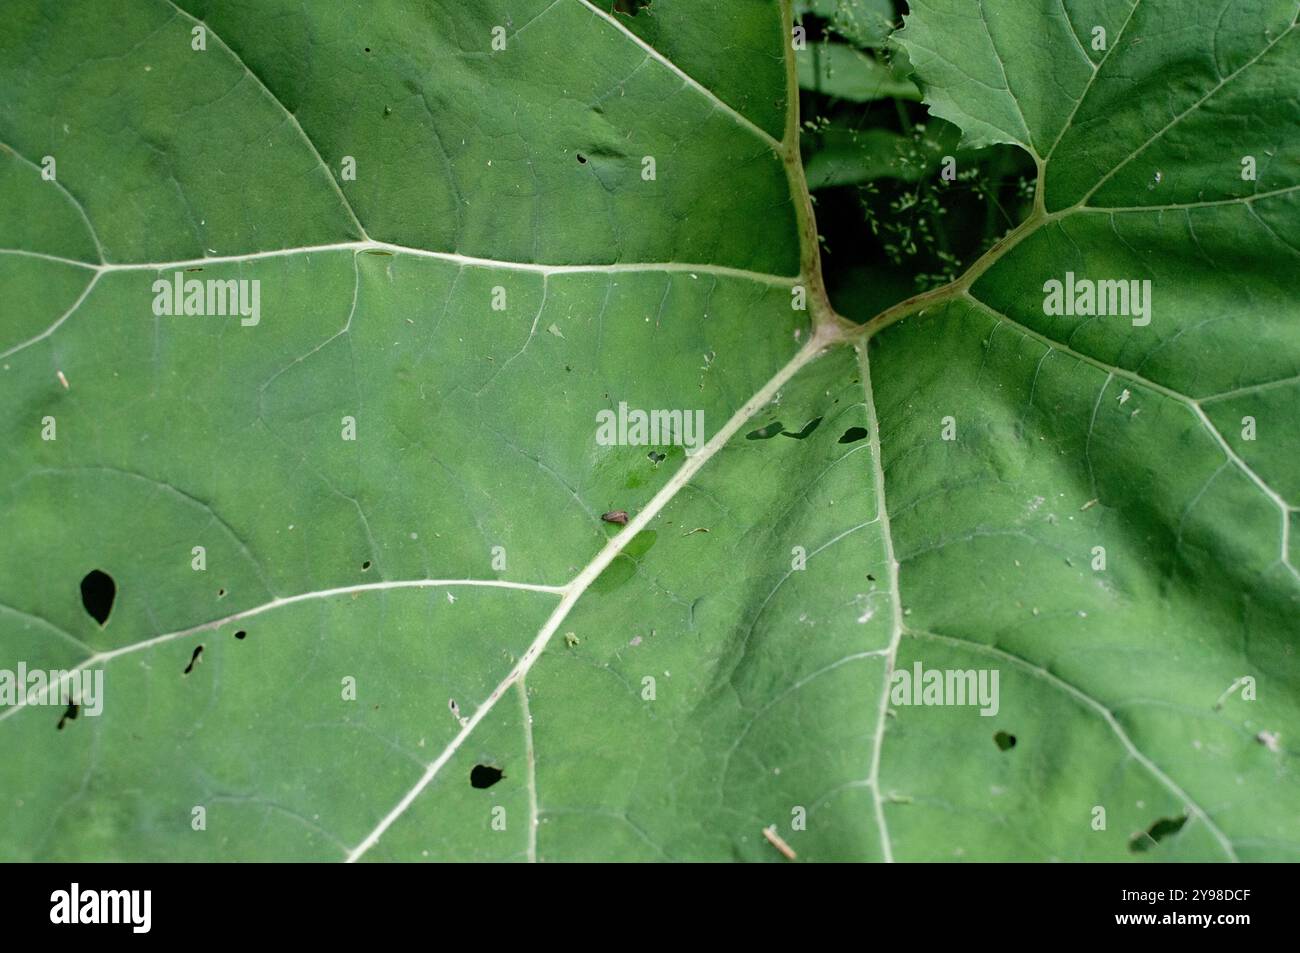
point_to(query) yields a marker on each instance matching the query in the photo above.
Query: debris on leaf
(779, 843)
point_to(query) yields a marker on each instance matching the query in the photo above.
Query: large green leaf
(517, 174)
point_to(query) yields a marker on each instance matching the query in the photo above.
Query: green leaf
(839, 70)
(1166, 443)
(380, 677)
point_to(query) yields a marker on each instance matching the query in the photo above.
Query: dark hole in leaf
(241, 635)
(365, 565)
(70, 714)
(854, 434)
(1004, 741)
(367, 49)
(484, 776)
(582, 158)
(870, 578)
(657, 457)
(808, 428)
(766, 433)
(221, 593)
(1153, 835)
(630, 7)
(198, 650)
(97, 593)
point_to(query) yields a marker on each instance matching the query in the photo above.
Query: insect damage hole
(97, 593)
(198, 653)
(241, 635)
(1004, 741)
(803, 434)
(70, 715)
(766, 433)
(854, 434)
(484, 776)
(1153, 835)
(365, 566)
(582, 160)
(631, 8)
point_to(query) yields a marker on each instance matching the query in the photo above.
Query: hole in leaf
(365, 565)
(97, 593)
(70, 714)
(657, 457)
(870, 578)
(582, 159)
(367, 49)
(221, 593)
(241, 635)
(808, 428)
(198, 651)
(1153, 835)
(484, 776)
(1004, 741)
(630, 8)
(854, 434)
(766, 433)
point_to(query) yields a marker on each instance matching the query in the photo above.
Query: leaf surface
(670, 688)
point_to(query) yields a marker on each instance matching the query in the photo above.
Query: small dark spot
(367, 49)
(97, 593)
(1004, 741)
(221, 593)
(70, 714)
(854, 434)
(198, 651)
(241, 635)
(388, 110)
(630, 8)
(484, 776)
(582, 159)
(1153, 835)
(870, 578)
(365, 565)
(615, 516)
(808, 428)
(657, 457)
(766, 433)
